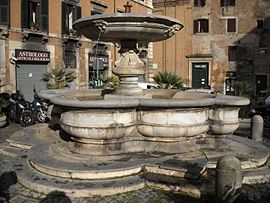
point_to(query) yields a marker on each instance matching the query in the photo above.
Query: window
(35, 14)
(70, 13)
(224, 3)
(232, 53)
(231, 25)
(4, 12)
(201, 26)
(70, 59)
(98, 7)
(259, 24)
(199, 3)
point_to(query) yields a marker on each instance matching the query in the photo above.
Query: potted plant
(33, 26)
(4, 102)
(58, 79)
(72, 32)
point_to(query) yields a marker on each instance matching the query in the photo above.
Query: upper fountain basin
(127, 26)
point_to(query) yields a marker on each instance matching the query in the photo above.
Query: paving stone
(23, 199)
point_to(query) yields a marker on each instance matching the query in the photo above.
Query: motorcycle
(40, 108)
(20, 110)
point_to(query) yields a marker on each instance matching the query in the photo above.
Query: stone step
(256, 175)
(42, 183)
(55, 161)
(11, 151)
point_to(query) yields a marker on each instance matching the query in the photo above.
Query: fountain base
(47, 165)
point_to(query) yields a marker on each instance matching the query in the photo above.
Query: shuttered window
(200, 26)
(70, 13)
(35, 14)
(4, 12)
(224, 3)
(199, 3)
(231, 25)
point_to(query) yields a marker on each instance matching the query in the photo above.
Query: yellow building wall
(170, 55)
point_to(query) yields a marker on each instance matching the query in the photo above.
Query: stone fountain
(122, 140)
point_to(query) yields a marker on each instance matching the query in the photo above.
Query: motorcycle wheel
(41, 117)
(27, 118)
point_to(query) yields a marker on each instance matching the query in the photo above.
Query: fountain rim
(68, 100)
(111, 16)
(144, 27)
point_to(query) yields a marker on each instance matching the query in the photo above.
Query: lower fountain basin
(100, 125)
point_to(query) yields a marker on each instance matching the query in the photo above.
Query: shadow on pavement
(6, 180)
(56, 197)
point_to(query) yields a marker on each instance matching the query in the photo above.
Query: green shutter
(43, 19)
(25, 15)
(4, 12)
(64, 26)
(195, 26)
(77, 13)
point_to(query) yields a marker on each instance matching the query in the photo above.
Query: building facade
(223, 41)
(36, 36)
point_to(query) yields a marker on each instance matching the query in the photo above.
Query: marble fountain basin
(108, 126)
(127, 26)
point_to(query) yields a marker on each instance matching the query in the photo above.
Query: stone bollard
(257, 128)
(228, 179)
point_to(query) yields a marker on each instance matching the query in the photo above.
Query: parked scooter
(40, 108)
(20, 110)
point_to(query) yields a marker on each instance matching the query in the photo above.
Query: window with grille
(231, 25)
(70, 59)
(224, 3)
(201, 26)
(35, 14)
(4, 12)
(232, 53)
(199, 3)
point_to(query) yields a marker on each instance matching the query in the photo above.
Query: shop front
(30, 67)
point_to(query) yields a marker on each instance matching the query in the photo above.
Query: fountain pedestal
(128, 68)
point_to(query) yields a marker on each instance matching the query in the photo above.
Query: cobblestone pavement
(11, 191)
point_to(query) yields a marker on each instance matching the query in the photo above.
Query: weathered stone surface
(228, 178)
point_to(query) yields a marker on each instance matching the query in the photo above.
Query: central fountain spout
(128, 68)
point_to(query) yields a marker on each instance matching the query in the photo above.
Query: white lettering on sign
(25, 55)
(200, 66)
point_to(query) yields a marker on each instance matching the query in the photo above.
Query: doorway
(200, 75)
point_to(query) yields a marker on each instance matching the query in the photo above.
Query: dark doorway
(261, 83)
(200, 75)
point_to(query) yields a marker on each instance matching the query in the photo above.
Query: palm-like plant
(168, 80)
(58, 79)
(243, 88)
